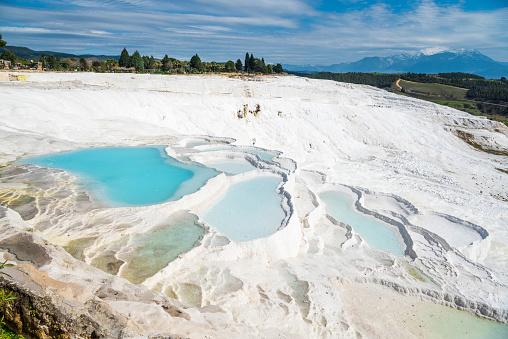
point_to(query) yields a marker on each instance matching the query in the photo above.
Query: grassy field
(433, 89)
(475, 108)
(452, 97)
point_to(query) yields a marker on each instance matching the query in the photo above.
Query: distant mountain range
(429, 61)
(28, 54)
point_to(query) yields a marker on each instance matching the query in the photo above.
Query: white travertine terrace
(401, 158)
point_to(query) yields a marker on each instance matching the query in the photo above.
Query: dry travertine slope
(404, 155)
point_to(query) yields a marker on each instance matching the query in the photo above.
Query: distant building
(34, 64)
(5, 63)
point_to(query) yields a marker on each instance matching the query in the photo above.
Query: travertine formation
(420, 167)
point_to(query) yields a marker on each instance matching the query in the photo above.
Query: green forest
(373, 79)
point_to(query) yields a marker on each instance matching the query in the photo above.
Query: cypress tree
(263, 67)
(137, 61)
(146, 61)
(239, 65)
(165, 63)
(195, 62)
(125, 59)
(42, 60)
(252, 63)
(52, 61)
(247, 58)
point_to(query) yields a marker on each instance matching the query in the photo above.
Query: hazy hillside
(29, 54)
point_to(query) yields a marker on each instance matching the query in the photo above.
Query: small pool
(443, 322)
(265, 155)
(150, 252)
(129, 176)
(249, 210)
(231, 166)
(377, 234)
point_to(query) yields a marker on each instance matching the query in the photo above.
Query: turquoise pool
(377, 234)
(231, 166)
(249, 210)
(129, 176)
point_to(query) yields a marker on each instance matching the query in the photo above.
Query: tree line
(478, 87)
(195, 65)
(146, 64)
(373, 79)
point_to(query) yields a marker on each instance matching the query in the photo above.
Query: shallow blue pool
(248, 210)
(376, 233)
(265, 155)
(129, 176)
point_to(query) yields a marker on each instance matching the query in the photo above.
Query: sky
(282, 31)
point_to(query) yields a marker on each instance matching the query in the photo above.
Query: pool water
(231, 166)
(377, 234)
(249, 210)
(152, 251)
(447, 323)
(129, 176)
(267, 156)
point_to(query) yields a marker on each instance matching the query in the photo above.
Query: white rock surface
(402, 154)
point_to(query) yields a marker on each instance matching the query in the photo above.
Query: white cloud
(7, 29)
(223, 29)
(100, 32)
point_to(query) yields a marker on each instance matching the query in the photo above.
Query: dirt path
(397, 84)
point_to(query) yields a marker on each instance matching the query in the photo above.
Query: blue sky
(285, 31)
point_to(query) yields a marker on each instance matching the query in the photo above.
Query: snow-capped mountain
(430, 60)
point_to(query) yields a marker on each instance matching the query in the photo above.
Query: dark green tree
(246, 65)
(2, 43)
(278, 69)
(230, 66)
(151, 63)
(252, 63)
(64, 64)
(137, 62)
(262, 66)
(146, 61)
(42, 60)
(165, 63)
(59, 63)
(238, 65)
(52, 62)
(195, 63)
(125, 59)
(8, 54)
